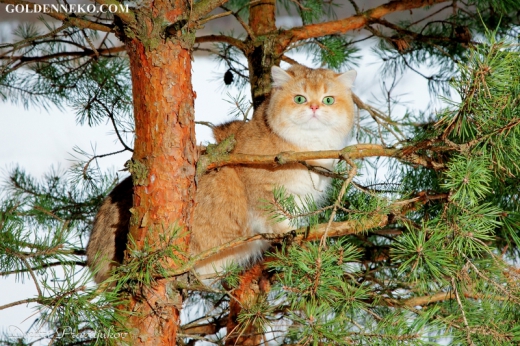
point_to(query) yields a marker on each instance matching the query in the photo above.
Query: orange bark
(262, 16)
(254, 282)
(164, 197)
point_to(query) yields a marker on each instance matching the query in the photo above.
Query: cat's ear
(347, 78)
(280, 77)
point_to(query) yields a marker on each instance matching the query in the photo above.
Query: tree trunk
(263, 55)
(163, 164)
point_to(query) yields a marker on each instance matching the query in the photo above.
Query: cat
(307, 110)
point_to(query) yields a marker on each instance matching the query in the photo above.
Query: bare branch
(79, 54)
(221, 38)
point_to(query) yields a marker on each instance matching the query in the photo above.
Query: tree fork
(163, 164)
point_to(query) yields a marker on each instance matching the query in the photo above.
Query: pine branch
(342, 26)
(43, 266)
(83, 54)
(30, 41)
(75, 21)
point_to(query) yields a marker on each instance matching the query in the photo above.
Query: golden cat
(308, 110)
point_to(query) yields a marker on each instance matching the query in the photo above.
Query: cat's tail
(109, 235)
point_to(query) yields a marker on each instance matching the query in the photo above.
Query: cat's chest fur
(258, 137)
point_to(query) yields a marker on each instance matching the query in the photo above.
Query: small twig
(303, 8)
(377, 116)
(20, 302)
(356, 7)
(98, 157)
(31, 272)
(430, 15)
(215, 16)
(351, 175)
(246, 27)
(90, 43)
(496, 285)
(459, 302)
(112, 118)
(290, 60)
(205, 123)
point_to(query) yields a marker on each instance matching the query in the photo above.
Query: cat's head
(312, 108)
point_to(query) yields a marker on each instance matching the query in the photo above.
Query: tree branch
(342, 26)
(336, 229)
(339, 229)
(221, 38)
(353, 152)
(208, 328)
(202, 8)
(75, 21)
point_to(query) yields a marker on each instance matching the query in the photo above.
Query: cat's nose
(314, 107)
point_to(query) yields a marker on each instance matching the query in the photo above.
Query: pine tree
(424, 257)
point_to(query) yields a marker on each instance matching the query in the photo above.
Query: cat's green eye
(328, 100)
(299, 99)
